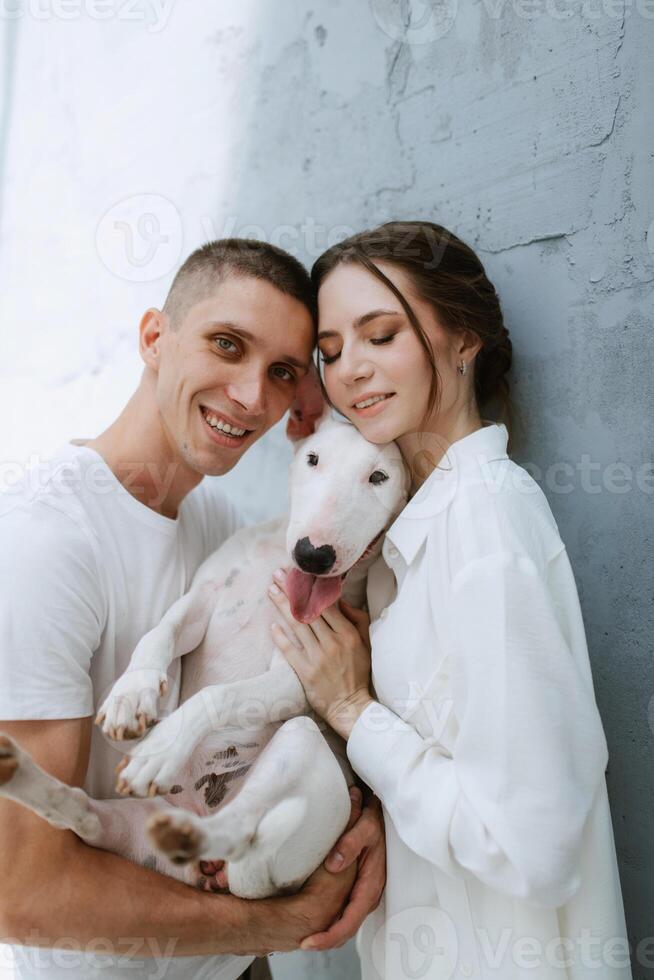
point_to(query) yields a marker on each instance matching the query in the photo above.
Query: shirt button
(383, 614)
(393, 552)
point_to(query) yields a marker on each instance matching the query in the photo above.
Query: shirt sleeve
(51, 614)
(510, 803)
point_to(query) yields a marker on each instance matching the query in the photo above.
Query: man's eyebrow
(361, 321)
(246, 335)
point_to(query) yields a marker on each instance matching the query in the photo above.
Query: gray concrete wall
(524, 125)
(531, 134)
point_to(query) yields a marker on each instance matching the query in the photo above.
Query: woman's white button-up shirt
(485, 746)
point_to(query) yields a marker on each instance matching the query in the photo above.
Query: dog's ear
(309, 407)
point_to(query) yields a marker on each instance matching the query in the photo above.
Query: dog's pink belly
(236, 646)
(216, 770)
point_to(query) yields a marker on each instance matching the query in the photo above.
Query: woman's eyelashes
(330, 358)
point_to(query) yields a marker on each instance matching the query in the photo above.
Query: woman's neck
(424, 449)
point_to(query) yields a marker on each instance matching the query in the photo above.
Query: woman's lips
(373, 409)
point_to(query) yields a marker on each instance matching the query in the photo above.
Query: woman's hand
(331, 656)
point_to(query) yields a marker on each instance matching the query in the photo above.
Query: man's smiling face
(229, 370)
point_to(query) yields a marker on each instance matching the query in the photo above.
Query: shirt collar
(464, 460)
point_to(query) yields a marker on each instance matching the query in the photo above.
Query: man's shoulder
(45, 506)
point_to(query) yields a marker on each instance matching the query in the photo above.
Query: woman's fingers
(342, 615)
(359, 618)
(306, 632)
(337, 617)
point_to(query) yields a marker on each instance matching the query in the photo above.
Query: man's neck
(138, 452)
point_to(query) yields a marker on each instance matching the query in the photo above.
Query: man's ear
(309, 407)
(152, 325)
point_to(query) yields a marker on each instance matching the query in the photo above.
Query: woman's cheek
(335, 391)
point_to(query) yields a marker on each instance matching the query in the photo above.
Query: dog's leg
(280, 825)
(153, 764)
(118, 826)
(63, 806)
(131, 706)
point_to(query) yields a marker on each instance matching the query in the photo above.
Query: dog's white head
(345, 492)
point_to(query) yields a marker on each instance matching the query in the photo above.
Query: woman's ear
(468, 344)
(153, 323)
(309, 407)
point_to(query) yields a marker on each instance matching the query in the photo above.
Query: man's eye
(224, 343)
(378, 477)
(283, 373)
(312, 459)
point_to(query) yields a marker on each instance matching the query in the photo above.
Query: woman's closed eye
(377, 341)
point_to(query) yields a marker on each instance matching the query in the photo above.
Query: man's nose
(250, 395)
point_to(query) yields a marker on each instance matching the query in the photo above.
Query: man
(93, 549)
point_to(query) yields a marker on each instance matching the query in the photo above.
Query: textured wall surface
(525, 126)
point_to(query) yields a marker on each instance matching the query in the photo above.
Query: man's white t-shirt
(85, 571)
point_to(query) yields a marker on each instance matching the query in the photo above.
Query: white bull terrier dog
(248, 784)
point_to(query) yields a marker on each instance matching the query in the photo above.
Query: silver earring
(463, 367)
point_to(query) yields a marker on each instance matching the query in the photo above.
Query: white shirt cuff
(378, 746)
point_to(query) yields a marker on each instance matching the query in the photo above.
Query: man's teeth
(371, 401)
(217, 423)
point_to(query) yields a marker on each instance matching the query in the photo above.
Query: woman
(480, 732)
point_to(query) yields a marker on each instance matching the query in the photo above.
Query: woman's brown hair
(446, 273)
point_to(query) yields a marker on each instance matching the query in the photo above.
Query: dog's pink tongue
(309, 595)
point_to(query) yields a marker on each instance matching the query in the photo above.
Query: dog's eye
(312, 459)
(378, 477)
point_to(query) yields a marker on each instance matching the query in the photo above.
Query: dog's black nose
(316, 561)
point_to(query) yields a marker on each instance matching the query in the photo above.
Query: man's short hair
(214, 262)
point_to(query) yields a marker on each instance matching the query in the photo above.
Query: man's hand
(363, 839)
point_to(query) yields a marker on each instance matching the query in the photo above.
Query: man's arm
(100, 895)
(363, 842)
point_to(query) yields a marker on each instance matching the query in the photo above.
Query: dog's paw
(86, 823)
(67, 807)
(209, 876)
(8, 758)
(153, 765)
(131, 706)
(177, 835)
